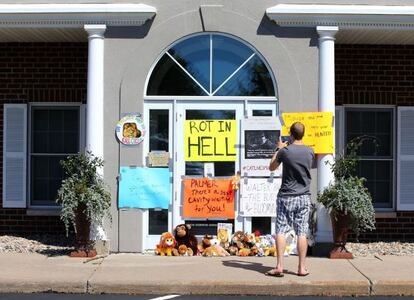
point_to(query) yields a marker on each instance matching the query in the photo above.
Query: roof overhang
(344, 16)
(73, 15)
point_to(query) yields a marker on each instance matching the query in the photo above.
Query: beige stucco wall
(292, 54)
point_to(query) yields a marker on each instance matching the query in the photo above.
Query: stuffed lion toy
(166, 247)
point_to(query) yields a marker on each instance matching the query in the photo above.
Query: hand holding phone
(281, 144)
(285, 139)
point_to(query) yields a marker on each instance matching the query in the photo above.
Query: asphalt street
(50, 296)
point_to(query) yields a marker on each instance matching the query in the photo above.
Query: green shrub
(348, 194)
(83, 187)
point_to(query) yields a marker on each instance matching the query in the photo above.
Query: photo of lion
(130, 130)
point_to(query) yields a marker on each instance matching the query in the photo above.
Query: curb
(284, 288)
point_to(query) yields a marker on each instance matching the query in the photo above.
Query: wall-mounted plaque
(130, 130)
(158, 158)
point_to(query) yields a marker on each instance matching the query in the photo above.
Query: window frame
(210, 97)
(82, 142)
(394, 160)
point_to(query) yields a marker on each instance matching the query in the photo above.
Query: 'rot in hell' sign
(206, 198)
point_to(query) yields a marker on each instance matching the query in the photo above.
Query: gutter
(345, 16)
(74, 15)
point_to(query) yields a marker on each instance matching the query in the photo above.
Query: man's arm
(275, 161)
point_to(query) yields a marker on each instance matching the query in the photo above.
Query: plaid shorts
(293, 211)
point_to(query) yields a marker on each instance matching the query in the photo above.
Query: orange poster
(208, 198)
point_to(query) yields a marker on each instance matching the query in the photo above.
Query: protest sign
(205, 198)
(144, 188)
(319, 132)
(258, 196)
(260, 136)
(210, 140)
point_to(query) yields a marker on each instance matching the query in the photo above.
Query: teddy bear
(205, 243)
(215, 249)
(271, 245)
(238, 239)
(249, 240)
(184, 236)
(233, 250)
(166, 247)
(184, 251)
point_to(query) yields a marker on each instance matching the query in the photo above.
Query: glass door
(214, 169)
(159, 122)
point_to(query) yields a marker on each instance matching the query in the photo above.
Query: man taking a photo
(293, 200)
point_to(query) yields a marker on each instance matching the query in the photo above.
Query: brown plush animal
(166, 245)
(233, 250)
(249, 240)
(184, 236)
(205, 243)
(215, 249)
(184, 251)
(238, 239)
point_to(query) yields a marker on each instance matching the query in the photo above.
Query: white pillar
(94, 103)
(326, 103)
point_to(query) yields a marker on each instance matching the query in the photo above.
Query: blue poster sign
(144, 188)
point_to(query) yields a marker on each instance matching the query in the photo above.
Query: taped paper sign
(210, 140)
(319, 132)
(260, 136)
(258, 197)
(205, 198)
(144, 188)
(158, 158)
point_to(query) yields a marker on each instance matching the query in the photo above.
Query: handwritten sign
(258, 197)
(144, 188)
(205, 198)
(158, 158)
(210, 140)
(319, 133)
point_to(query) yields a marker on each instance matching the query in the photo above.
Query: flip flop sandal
(304, 274)
(274, 274)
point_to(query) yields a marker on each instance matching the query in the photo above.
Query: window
(376, 153)
(55, 133)
(158, 141)
(210, 65)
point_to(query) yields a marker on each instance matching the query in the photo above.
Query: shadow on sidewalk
(253, 266)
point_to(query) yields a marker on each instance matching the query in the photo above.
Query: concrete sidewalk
(145, 274)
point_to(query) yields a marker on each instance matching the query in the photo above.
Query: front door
(204, 110)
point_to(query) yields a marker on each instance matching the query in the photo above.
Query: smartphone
(285, 139)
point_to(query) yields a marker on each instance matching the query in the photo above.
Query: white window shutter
(14, 155)
(339, 129)
(405, 159)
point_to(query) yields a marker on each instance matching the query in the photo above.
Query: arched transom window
(211, 65)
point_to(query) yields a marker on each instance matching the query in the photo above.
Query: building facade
(70, 72)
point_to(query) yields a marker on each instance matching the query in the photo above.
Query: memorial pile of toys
(184, 243)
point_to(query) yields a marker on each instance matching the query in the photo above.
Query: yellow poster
(210, 140)
(319, 134)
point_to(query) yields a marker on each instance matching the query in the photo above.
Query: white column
(326, 103)
(94, 103)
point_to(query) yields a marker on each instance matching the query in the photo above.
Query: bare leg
(302, 246)
(280, 246)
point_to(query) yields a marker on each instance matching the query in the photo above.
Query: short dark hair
(297, 130)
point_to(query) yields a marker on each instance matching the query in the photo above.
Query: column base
(102, 247)
(340, 252)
